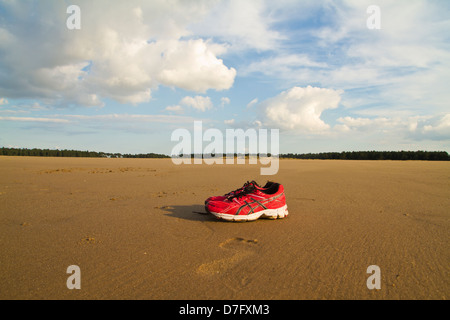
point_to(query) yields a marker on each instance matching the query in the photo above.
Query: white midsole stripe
(268, 213)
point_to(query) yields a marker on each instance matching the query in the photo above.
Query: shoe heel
(282, 212)
(279, 213)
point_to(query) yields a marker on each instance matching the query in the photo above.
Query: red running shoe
(237, 191)
(252, 203)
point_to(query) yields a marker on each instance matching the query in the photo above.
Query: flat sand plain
(135, 229)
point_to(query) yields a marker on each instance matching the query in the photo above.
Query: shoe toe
(217, 206)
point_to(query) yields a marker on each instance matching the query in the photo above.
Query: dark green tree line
(373, 155)
(351, 155)
(72, 153)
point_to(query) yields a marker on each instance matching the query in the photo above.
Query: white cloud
(24, 108)
(371, 126)
(411, 127)
(132, 117)
(442, 125)
(282, 65)
(364, 123)
(224, 101)
(435, 128)
(199, 103)
(3, 101)
(31, 119)
(10, 111)
(299, 109)
(405, 64)
(243, 25)
(231, 121)
(252, 103)
(121, 53)
(408, 59)
(193, 66)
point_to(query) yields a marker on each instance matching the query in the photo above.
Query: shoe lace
(249, 187)
(231, 193)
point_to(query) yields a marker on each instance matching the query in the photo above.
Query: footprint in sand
(119, 198)
(160, 194)
(239, 248)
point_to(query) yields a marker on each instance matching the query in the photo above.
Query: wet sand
(136, 230)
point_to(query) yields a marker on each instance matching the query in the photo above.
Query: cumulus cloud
(192, 66)
(199, 103)
(122, 53)
(300, 109)
(443, 124)
(433, 128)
(406, 63)
(407, 128)
(224, 101)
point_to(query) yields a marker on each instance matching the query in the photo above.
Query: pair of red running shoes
(250, 203)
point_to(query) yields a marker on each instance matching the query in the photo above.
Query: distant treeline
(352, 155)
(146, 155)
(73, 153)
(374, 155)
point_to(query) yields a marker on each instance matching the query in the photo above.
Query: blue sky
(138, 70)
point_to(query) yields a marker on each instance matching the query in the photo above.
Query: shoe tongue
(250, 188)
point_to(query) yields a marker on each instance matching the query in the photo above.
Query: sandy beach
(136, 230)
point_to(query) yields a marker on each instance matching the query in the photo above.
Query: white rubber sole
(267, 214)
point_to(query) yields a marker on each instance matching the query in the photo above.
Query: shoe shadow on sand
(188, 212)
